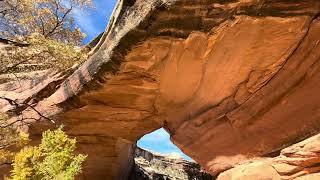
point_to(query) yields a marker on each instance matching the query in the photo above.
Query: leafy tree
(50, 18)
(9, 137)
(45, 53)
(53, 159)
(43, 34)
(46, 29)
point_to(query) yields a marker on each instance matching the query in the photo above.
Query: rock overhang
(223, 77)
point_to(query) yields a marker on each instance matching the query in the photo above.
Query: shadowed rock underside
(231, 81)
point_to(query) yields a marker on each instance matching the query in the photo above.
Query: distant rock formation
(232, 81)
(151, 166)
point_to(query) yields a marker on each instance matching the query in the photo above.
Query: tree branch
(16, 104)
(8, 69)
(42, 27)
(58, 22)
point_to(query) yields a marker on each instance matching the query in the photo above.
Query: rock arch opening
(156, 157)
(159, 141)
(247, 88)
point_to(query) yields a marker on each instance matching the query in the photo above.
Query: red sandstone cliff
(233, 81)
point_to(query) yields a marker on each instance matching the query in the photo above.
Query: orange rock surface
(231, 81)
(299, 161)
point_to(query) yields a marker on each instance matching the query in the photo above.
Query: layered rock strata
(230, 80)
(299, 161)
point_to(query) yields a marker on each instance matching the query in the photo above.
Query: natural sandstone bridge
(230, 80)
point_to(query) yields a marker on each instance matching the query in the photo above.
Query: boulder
(299, 161)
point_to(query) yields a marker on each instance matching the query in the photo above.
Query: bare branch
(58, 22)
(8, 41)
(16, 104)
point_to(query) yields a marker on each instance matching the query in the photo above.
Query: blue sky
(159, 141)
(93, 22)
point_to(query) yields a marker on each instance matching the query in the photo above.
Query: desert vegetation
(39, 34)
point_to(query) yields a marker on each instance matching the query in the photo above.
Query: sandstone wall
(230, 80)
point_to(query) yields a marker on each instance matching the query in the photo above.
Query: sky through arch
(159, 141)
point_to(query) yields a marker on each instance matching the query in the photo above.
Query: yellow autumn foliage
(9, 137)
(50, 18)
(42, 33)
(53, 159)
(45, 53)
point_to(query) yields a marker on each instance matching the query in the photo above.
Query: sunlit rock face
(230, 80)
(299, 161)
